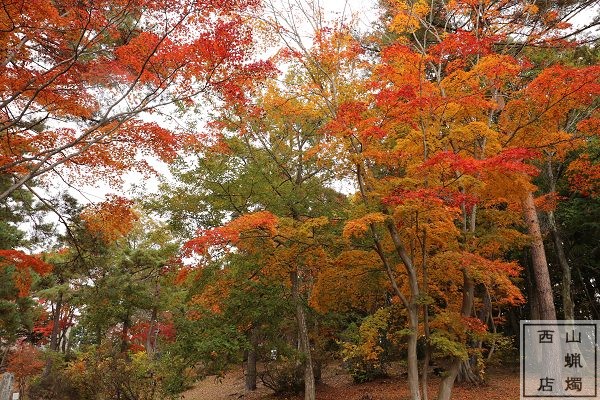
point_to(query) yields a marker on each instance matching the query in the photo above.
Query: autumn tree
(19, 270)
(108, 304)
(448, 60)
(264, 157)
(78, 79)
(439, 97)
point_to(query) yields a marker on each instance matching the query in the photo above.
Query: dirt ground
(337, 385)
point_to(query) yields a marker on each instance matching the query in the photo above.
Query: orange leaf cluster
(111, 219)
(584, 176)
(24, 264)
(100, 65)
(262, 224)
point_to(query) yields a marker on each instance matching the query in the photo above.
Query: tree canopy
(407, 192)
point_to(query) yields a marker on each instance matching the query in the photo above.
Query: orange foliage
(102, 64)
(25, 363)
(352, 281)
(24, 264)
(111, 219)
(584, 176)
(257, 225)
(358, 227)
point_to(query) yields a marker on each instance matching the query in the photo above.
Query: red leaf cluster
(24, 264)
(258, 224)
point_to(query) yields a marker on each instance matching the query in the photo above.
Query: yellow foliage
(407, 18)
(358, 227)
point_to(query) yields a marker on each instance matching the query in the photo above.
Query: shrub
(103, 374)
(363, 351)
(284, 376)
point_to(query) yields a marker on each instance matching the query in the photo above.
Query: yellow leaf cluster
(358, 227)
(407, 18)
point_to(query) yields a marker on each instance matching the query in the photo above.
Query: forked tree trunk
(413, 311)
(467, 305)
(54, 338)
(309, 375)
(465, 369)
(539, 264)
(466, 374)
(411, 306)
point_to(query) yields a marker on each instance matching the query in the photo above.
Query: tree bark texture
(568, 306)
(309, 375)
(539, 264)
(467, 306)
(250, 375)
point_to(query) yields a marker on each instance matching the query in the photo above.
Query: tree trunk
(413, 312)
(54, 338)
(467, 305)
(568, 306)
(466, 373)
(532, 297)
(411, 306)
(4, 355)
(151, 335)
(413, 360)
(427, 355)
(541, 275)
(251, 360)
(125, 333)
(69, 343)
(309, 375)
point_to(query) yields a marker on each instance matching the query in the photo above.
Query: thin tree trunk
(251, 360)
(411, 306)
(413, 312)
(413, 359)
(54, 338)
(465, 370)
(568, 306)
(4, 354)
(63, 341)
(151, 337)
(467, 305)
(538, 258)
(125, 332)
(309, 375)
(69, 343)
(427, 356)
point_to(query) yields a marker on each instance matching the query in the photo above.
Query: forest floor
(336, 384)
